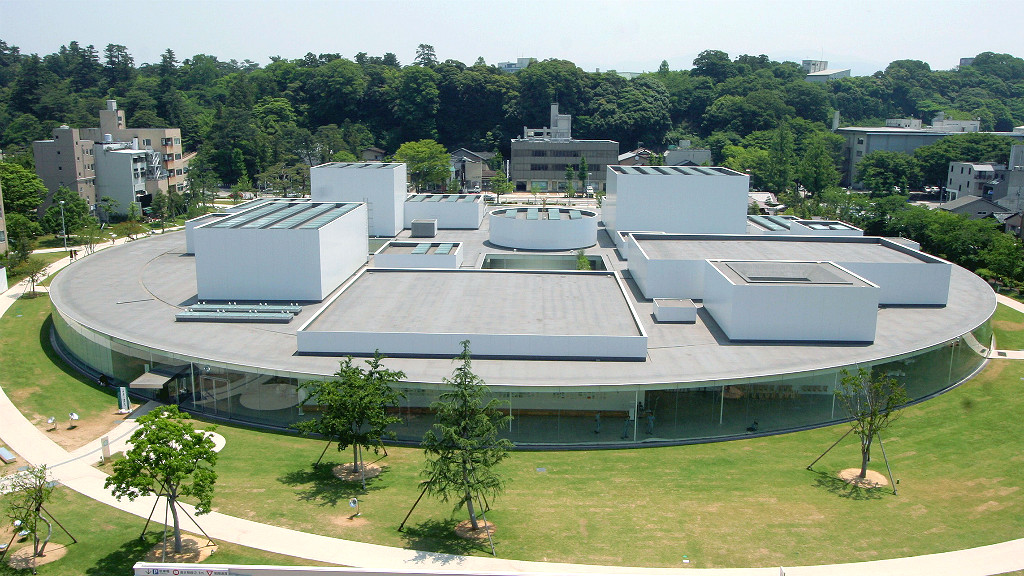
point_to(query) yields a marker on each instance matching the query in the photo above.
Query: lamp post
(63, 228)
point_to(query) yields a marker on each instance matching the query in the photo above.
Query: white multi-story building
(969, 178)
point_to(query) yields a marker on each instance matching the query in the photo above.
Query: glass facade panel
(549, 416)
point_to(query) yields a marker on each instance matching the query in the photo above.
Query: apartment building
(69, 158)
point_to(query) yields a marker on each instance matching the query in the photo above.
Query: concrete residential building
(969, 178)
(540, 157)
(120, 173)
(68, 159)
(513, 67)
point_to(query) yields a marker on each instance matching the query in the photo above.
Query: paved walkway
(75, 471)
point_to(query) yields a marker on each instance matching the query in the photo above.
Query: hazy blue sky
(625, 35)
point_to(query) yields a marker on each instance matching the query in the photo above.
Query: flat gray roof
(463, 301)
(366, 165)
(133, 291)
(285, 215)
(674, 171)
(443, 198)
(804, 248)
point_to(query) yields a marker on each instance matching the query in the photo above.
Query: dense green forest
(245, 119)
(251, 123)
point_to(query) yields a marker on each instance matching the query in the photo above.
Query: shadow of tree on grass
(438, 536)
(319, 484)
(121, 560)
(841, 488)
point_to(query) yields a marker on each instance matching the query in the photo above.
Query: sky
(623, 35)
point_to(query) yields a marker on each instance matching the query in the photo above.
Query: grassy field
(1008, 325)
(33, 376)
(744, 503)
(108, 541)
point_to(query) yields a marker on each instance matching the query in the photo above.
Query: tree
(570, 177)
(108, 207)
(426, 160)
(581, 173)
(353, 408)
(886, 173)
(30, 490)
(425, 56)
(817, 170)
(500, 184)
(873, 404)
(582, 262)
(779, 171)
(23, 191)
(21, 238)
(76, 213)
(34, 268)
(463, 446)
(169, 458)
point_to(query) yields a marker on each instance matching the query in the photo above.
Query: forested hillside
(245, 119)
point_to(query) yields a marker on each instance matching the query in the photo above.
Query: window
(859, 153)
(177, 141)
(177, 156)
(538, 153)
(2, 236)
(179, 172)
(860, 140)
(538, 167)
(147, 142)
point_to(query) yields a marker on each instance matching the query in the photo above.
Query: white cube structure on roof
(280, 251)
(452, 211)
(675, 199)
(381, 185)
(790, 301)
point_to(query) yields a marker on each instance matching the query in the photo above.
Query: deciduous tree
(353, 407)
(168, 458)
(426, 161)
(873, 404)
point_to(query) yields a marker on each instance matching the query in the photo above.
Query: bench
(7, 456)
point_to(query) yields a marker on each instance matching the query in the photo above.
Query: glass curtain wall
(626, 415)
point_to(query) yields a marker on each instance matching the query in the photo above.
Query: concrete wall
(381, 186)
(679, 203)
(543, 234)
(190, 226)
(394, 260)
(279, 264)
(120, 174)
(790, 312)
(450, 215)
(484, 345)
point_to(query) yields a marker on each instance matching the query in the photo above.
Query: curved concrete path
(75, 471)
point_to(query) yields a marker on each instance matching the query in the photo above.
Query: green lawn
(33, 376)
(108, 541)
(1008, 325)
(742, 503)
